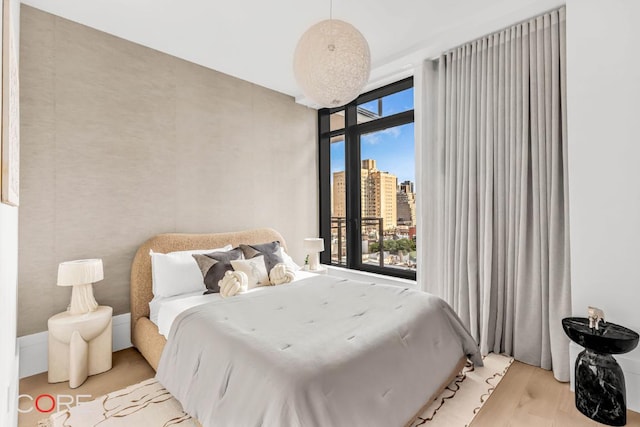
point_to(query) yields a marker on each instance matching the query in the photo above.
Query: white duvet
(165, 311)
(321, 352)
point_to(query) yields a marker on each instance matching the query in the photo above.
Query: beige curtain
(497, 232)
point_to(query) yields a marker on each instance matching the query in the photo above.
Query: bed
(322, 351)
(144, 333)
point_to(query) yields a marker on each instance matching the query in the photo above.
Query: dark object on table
(600, 388)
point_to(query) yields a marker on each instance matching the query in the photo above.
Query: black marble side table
(600, 388)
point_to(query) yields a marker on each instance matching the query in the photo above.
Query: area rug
(143, 404)
(149, 404)
(462, 399)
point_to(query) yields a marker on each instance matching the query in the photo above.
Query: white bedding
(164, 311)
(324, 352)
(158, 302)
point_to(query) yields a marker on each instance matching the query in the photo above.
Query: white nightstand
(80, 345)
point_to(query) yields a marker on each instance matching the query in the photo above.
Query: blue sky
(392, 148)
(392, 104)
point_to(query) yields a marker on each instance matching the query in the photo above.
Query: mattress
(324, 351)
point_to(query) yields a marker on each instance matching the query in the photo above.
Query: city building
(378, 191)
(406, 186)
(406, 202)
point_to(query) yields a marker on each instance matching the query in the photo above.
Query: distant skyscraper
(407, 187)
(406, 200)
(339, 195)
(378, 194)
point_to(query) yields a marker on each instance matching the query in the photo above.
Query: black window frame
(352, 132)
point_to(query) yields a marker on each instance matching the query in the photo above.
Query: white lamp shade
(80, 272)
(313, 244)
(332, 63)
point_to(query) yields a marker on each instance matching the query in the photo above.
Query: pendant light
(332, 62)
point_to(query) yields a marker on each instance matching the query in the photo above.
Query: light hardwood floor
(526, 396)
(129, 367)
(531, 397)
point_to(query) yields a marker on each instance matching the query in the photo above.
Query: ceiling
(254, 40)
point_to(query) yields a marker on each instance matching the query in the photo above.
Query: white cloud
(375, 137)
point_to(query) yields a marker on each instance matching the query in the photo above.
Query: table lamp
(313, 246)
(81, 274)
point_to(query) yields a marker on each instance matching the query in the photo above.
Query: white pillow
(255, 270)
(178, 273)
(288, 260)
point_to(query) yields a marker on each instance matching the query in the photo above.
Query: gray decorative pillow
(213, 266)
(271, 252)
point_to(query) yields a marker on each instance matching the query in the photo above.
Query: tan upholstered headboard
(141, 291)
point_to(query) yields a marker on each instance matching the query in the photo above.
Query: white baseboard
(33, 354)
(630, 367)
(121, 331)
(34, 348)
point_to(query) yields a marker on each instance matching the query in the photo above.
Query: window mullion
(387, 122)
(352, 163)
(324, 171)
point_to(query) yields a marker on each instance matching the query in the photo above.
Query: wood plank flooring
(526, 397)
(129, 367)
(531, 397)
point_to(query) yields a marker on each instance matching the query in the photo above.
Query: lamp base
(82, 300)
(314, 261)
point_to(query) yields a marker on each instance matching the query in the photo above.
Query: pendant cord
(330, 9)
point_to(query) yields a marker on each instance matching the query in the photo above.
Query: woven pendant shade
(332, 63)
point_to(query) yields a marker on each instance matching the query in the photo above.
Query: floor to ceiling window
(367, 182)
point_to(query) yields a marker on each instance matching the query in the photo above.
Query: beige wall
(121, 142)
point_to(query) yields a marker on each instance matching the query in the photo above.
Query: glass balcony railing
(380, 247)
(338, 240)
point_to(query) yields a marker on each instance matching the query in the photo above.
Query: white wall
(603, 82)
(8, 291)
